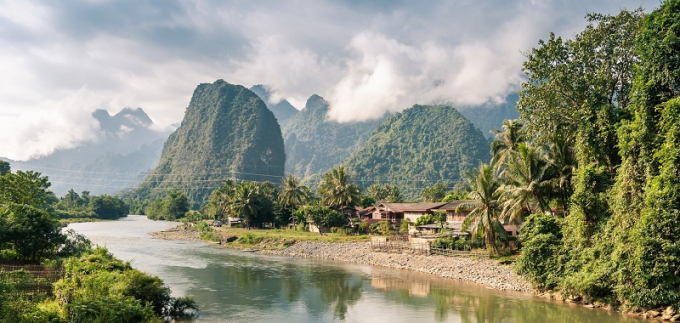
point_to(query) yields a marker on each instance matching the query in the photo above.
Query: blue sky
(60, 60)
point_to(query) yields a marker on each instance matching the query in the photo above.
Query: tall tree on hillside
(293, 194)
(336, 190)
(526, 184)
(484, 215)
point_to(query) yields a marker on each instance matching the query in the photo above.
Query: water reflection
(236, 286)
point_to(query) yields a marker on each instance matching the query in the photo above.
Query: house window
(509, 232)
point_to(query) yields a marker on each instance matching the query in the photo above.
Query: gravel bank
(480, 271)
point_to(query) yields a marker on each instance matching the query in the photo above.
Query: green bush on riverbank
(91, 285)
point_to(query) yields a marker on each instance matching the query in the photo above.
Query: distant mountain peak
(282, 110)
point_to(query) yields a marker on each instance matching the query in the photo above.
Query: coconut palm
(483, 193)
(336, 190)
(292, 194)
(244, 202)
(562, 159)
(506, 143)
(527, 182)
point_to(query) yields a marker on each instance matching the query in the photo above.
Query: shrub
(210, 236)
(249, 238)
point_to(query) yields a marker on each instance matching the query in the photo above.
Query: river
(235, 286)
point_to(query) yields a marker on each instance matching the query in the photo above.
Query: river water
(235, 286)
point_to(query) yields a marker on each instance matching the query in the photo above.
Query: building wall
(413, 216)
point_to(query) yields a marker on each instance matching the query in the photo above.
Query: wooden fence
(30, 279)
(424, 248)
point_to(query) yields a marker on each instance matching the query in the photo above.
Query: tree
(336, 190)
(440, 217)
(581, 86)
(292, 194)
(322, 217)
(484, 205)
(5, 168)
(108, 207)
(506, 142)
(32, 233)
(527, 184)
(244, 203)
(172, 207)
(385, 193)
(434, 193)
(24, 188)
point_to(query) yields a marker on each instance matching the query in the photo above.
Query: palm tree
(527, 183)
(562, 159)
(483, 193)
(506, 143)
(292, 194)
(336, 190)
(244, 202)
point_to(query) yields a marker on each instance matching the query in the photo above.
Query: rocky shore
(481, 271)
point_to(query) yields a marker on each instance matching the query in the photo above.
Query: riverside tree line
(96, 287)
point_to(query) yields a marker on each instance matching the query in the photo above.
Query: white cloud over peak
(59, 61)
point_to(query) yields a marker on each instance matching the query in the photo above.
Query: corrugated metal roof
(454, 204)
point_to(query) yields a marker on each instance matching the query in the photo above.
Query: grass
(290, 234)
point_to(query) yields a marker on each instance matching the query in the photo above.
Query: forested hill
(314, 144)
(418, 147)
(282, 110)
(227, 131)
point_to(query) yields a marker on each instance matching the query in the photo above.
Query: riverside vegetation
(591, 166)
(91, 285)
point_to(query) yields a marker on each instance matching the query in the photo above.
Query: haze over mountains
(233, 132)
(127, 146)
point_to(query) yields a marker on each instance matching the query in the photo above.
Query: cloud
(60, 61)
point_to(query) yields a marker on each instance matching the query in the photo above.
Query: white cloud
(60, 61)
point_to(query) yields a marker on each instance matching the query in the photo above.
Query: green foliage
(314, 144)
(541, 242)
(227, 132)
(29, 188)
(210, 236)
(100, 288)
(322, 217)
(174, 206)
(484, 207)
(434, 193)
(5, 168)
(367, 201)
(430, 143)
(403, 226)
(30, 232)
(336, 190)
(610, 100)
(385, 193)
(384, 228)
(425, 219)
(451, 243)
(249, 238)
(86, 206)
